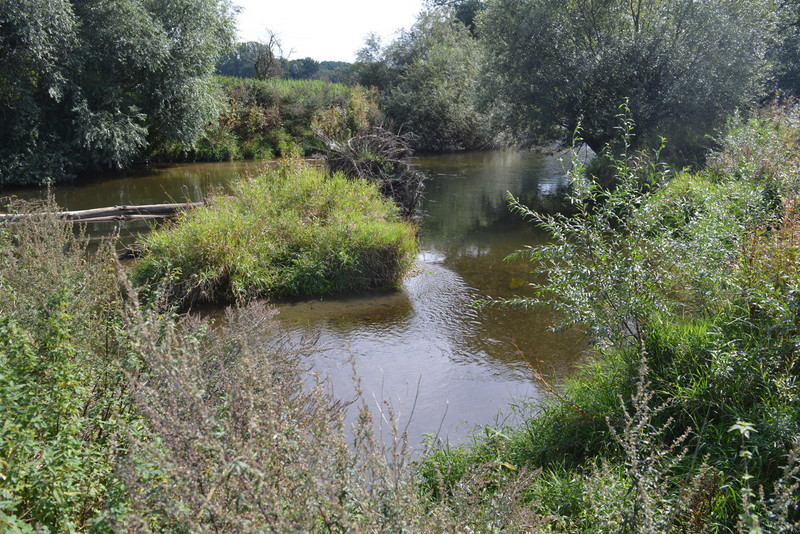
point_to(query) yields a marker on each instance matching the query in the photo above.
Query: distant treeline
(242, 61)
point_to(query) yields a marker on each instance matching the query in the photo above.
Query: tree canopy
(682, 65)
(88, 85)
(429, 80)
(241, 61)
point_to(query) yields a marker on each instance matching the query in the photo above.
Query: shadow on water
(426, 348)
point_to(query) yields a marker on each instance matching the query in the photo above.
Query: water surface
(428, 349)
(425, 350)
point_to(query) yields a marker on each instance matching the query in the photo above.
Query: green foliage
(241, 61)
(88, 86)
(689, 286)
(682, 65)
(785, 51)
(268, 118)
(429, 82)
(116, 419)
(294, 231)
(62, 380)
(466, 11)
(762, 149)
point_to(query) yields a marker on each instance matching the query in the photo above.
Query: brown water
(424, 349)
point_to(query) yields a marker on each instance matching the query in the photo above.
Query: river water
(444, 366)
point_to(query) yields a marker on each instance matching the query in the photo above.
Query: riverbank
(688, 408)
(263, 119)
(687, 419)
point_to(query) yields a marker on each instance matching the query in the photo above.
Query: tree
(240, 62)
(371, 70)
(302, 69)
(429, 78)
(786, 50)
(267, 57)
(88, 85)
(682, 65)
(465, 10)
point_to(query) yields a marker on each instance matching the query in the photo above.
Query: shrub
(696, 277)
(63, 364)
(382, 158)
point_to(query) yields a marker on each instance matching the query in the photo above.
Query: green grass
(290, 232)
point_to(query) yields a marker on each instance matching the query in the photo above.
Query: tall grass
(290, 232)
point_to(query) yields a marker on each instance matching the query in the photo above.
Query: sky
(325, 30)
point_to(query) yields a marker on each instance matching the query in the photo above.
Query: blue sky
(324, 29)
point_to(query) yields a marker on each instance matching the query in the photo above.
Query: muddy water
(443, 365)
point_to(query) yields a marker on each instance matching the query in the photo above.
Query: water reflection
(191, 182)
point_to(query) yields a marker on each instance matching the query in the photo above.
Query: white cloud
(324, 30)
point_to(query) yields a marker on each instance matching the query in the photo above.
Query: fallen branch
(380, 156)
(114, 213)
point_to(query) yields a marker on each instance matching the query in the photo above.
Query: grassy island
(295, 231)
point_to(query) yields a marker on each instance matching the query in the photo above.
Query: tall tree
(786, 50)
(465, 10)
(682, 65)
(267, 57)
(87, 85)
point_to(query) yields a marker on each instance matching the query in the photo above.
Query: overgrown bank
(119, 418)
(688, 419)
(127, 418)
(130, 420)
(261, 119)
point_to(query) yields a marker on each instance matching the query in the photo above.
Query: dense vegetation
(241, 64)
(687, 418)
(89, 86)
(290, 232)
(260, 119)
(531, 71)
(428, 79)
(85, 87)
(123, 416)
(682, 65)
(119, 417)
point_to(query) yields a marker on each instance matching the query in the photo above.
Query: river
(443, 365)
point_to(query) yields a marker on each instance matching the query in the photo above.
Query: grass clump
(295, 231)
